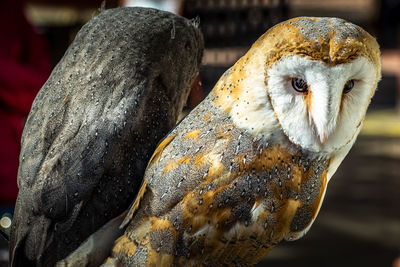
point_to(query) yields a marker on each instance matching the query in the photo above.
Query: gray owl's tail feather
(28, 243)
(96, 248)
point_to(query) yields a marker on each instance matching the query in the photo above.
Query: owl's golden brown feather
(249, 166)
(247, 200)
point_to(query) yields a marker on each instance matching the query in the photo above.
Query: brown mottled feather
(211, 220)
(228, 188)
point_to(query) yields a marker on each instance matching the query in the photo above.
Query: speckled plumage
(94, 125)
(203, 191)
(250, 165)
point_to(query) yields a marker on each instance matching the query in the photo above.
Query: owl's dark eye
(299, 85)
(348, 86)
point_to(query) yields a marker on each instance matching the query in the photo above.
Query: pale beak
(322, 137)
(324, 112)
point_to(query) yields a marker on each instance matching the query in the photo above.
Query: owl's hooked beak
(322, 137)
(321, 132)
(324, 115)
(324, 124)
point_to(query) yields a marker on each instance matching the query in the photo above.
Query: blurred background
(359, 223)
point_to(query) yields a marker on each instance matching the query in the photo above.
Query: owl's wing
(212, 185)
(66, 175)
(97, 247)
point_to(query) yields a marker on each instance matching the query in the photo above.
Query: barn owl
(249, 166)
(95, 124)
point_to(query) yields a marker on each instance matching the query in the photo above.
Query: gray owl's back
(95, 123)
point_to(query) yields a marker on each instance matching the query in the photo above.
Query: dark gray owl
(94, 125)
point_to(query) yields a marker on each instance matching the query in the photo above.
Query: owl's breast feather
(255, 200)
(215, 193)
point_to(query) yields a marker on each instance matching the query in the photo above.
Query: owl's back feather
(94, 125)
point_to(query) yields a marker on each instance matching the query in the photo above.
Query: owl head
(318, 76)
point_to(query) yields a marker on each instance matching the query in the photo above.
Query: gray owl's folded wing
(94, 125)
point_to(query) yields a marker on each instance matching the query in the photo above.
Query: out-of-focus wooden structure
(391, 66)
